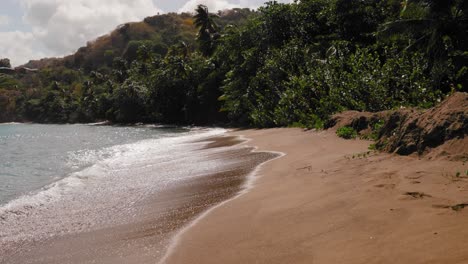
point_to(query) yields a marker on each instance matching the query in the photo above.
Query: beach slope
(329, 200)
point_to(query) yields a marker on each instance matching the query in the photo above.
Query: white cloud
(59, 27)
(65, 25)
(18, 46)
(251, 4)
(4, 20)
(213, 5)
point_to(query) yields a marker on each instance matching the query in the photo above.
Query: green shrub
(346, 132)
(376, 127)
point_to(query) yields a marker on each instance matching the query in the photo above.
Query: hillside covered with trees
(282, 65)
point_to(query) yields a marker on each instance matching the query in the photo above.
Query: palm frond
(405, 25)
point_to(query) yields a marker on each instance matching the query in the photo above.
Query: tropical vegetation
(281, 65)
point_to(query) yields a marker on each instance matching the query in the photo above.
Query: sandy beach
(330, 200)
(233, 132)
(287, 195)
(146, 238)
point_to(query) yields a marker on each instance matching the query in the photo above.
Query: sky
(34, 29)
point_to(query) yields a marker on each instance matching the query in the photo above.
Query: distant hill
(156, 32)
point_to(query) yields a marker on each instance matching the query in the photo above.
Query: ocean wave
(104, 192)
(11, 123)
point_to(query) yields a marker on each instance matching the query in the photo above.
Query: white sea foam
(106, 192)
(10, 123)
(98, 123)
(248, 185)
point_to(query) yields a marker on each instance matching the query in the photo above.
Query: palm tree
(438, 27)
(440, 19)
(180, 49)
(207, 29)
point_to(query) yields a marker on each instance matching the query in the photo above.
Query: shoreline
(246, 187)
(145, 239)
(321, 203)
(288, 196)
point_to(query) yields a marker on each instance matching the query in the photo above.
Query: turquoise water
(33, 156)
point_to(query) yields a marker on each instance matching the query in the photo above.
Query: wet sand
(146, 239)
(330, 200)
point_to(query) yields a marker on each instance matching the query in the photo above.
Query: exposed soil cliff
(439, 131)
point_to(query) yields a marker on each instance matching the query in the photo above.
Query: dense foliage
(346, 132)
(283, 65)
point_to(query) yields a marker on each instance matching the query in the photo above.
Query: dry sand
(327, 202)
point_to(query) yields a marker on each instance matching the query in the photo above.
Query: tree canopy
(281, 65)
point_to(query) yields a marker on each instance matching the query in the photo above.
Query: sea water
(62, 179)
